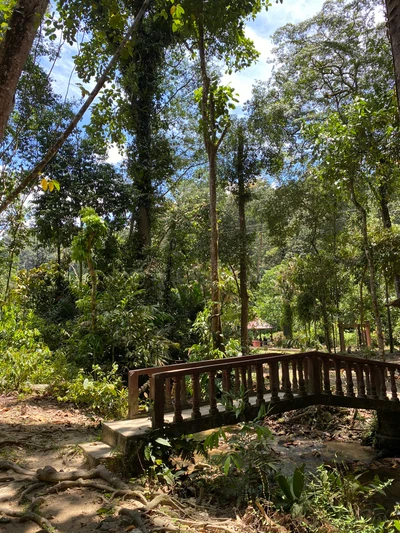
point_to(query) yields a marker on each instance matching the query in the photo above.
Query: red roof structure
(260, 325)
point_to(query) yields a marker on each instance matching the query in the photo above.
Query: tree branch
(30, 179)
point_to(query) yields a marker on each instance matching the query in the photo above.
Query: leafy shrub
(126, 329)
(100, 390)
(290, 491)
(332, 500)
(20, 368)
(248, 461)
(26, 359)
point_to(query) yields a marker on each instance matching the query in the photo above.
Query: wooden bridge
(191, 397)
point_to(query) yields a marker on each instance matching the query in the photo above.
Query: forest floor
(36, 432)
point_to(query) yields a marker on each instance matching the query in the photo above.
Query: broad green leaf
(298, 481)
(163, 442)
(227, 465)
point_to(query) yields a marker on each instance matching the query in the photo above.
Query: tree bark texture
(14, 51)
(387, 223)
(393, 23)
(371, 268)
(93, 277)
(244, 296)
(211, 145)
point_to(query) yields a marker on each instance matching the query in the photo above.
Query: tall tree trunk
(327, 326)
(93, 293)
(387, 223)
(14, 51)
(371, 267)
(393, 24)
(389, 317)
(211, 146)
(216, 323)
(244, 296)
(169, 267)
(10, 267)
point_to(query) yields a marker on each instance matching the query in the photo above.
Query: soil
(36, 431)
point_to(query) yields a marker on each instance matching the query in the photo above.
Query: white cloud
(260, 32)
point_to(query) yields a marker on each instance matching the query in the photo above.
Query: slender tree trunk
(211, 146)
(216, 324)
(244, 296)
(10, 267)
(14, 51)
(93, 293)
(327, 328)
(372, 272)
(168, 272)
(393, 24)
(93, 277)
(387, 223)
(389, 318)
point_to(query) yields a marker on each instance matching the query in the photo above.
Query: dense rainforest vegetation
(285, 209)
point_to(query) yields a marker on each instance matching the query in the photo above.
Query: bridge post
(133, 392)
(388, 433)
(158, 401)
(314, 374)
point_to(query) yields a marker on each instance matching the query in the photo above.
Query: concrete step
(122, 433)
(98, 453)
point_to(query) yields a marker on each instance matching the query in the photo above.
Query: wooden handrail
(133, 376)
(157, 379)
(310, 378)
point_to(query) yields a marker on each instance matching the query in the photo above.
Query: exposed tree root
(50, 475)
(9, 465)
(30, 514)
(31, 488)
(87, 483)
(126, 494)
(135, 518)
(147, 517)
(164, 499)
(12, 442)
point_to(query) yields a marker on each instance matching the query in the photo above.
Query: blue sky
(260, 31)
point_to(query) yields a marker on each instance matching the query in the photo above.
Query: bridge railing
(282, 377)
(264, 374)
(360, 378)
(134, 376)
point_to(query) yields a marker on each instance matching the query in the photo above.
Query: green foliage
(127, 328)
(332, 498)
(6, 9)
(249, 460)
(20, 368)
(101, 390)
(202, 329)
(290, 490)
(160, 457)
(93, 231)
(26, 359)
(47, 292)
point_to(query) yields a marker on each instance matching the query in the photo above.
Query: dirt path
(37, 431)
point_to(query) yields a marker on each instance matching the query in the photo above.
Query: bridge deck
(184, 397)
